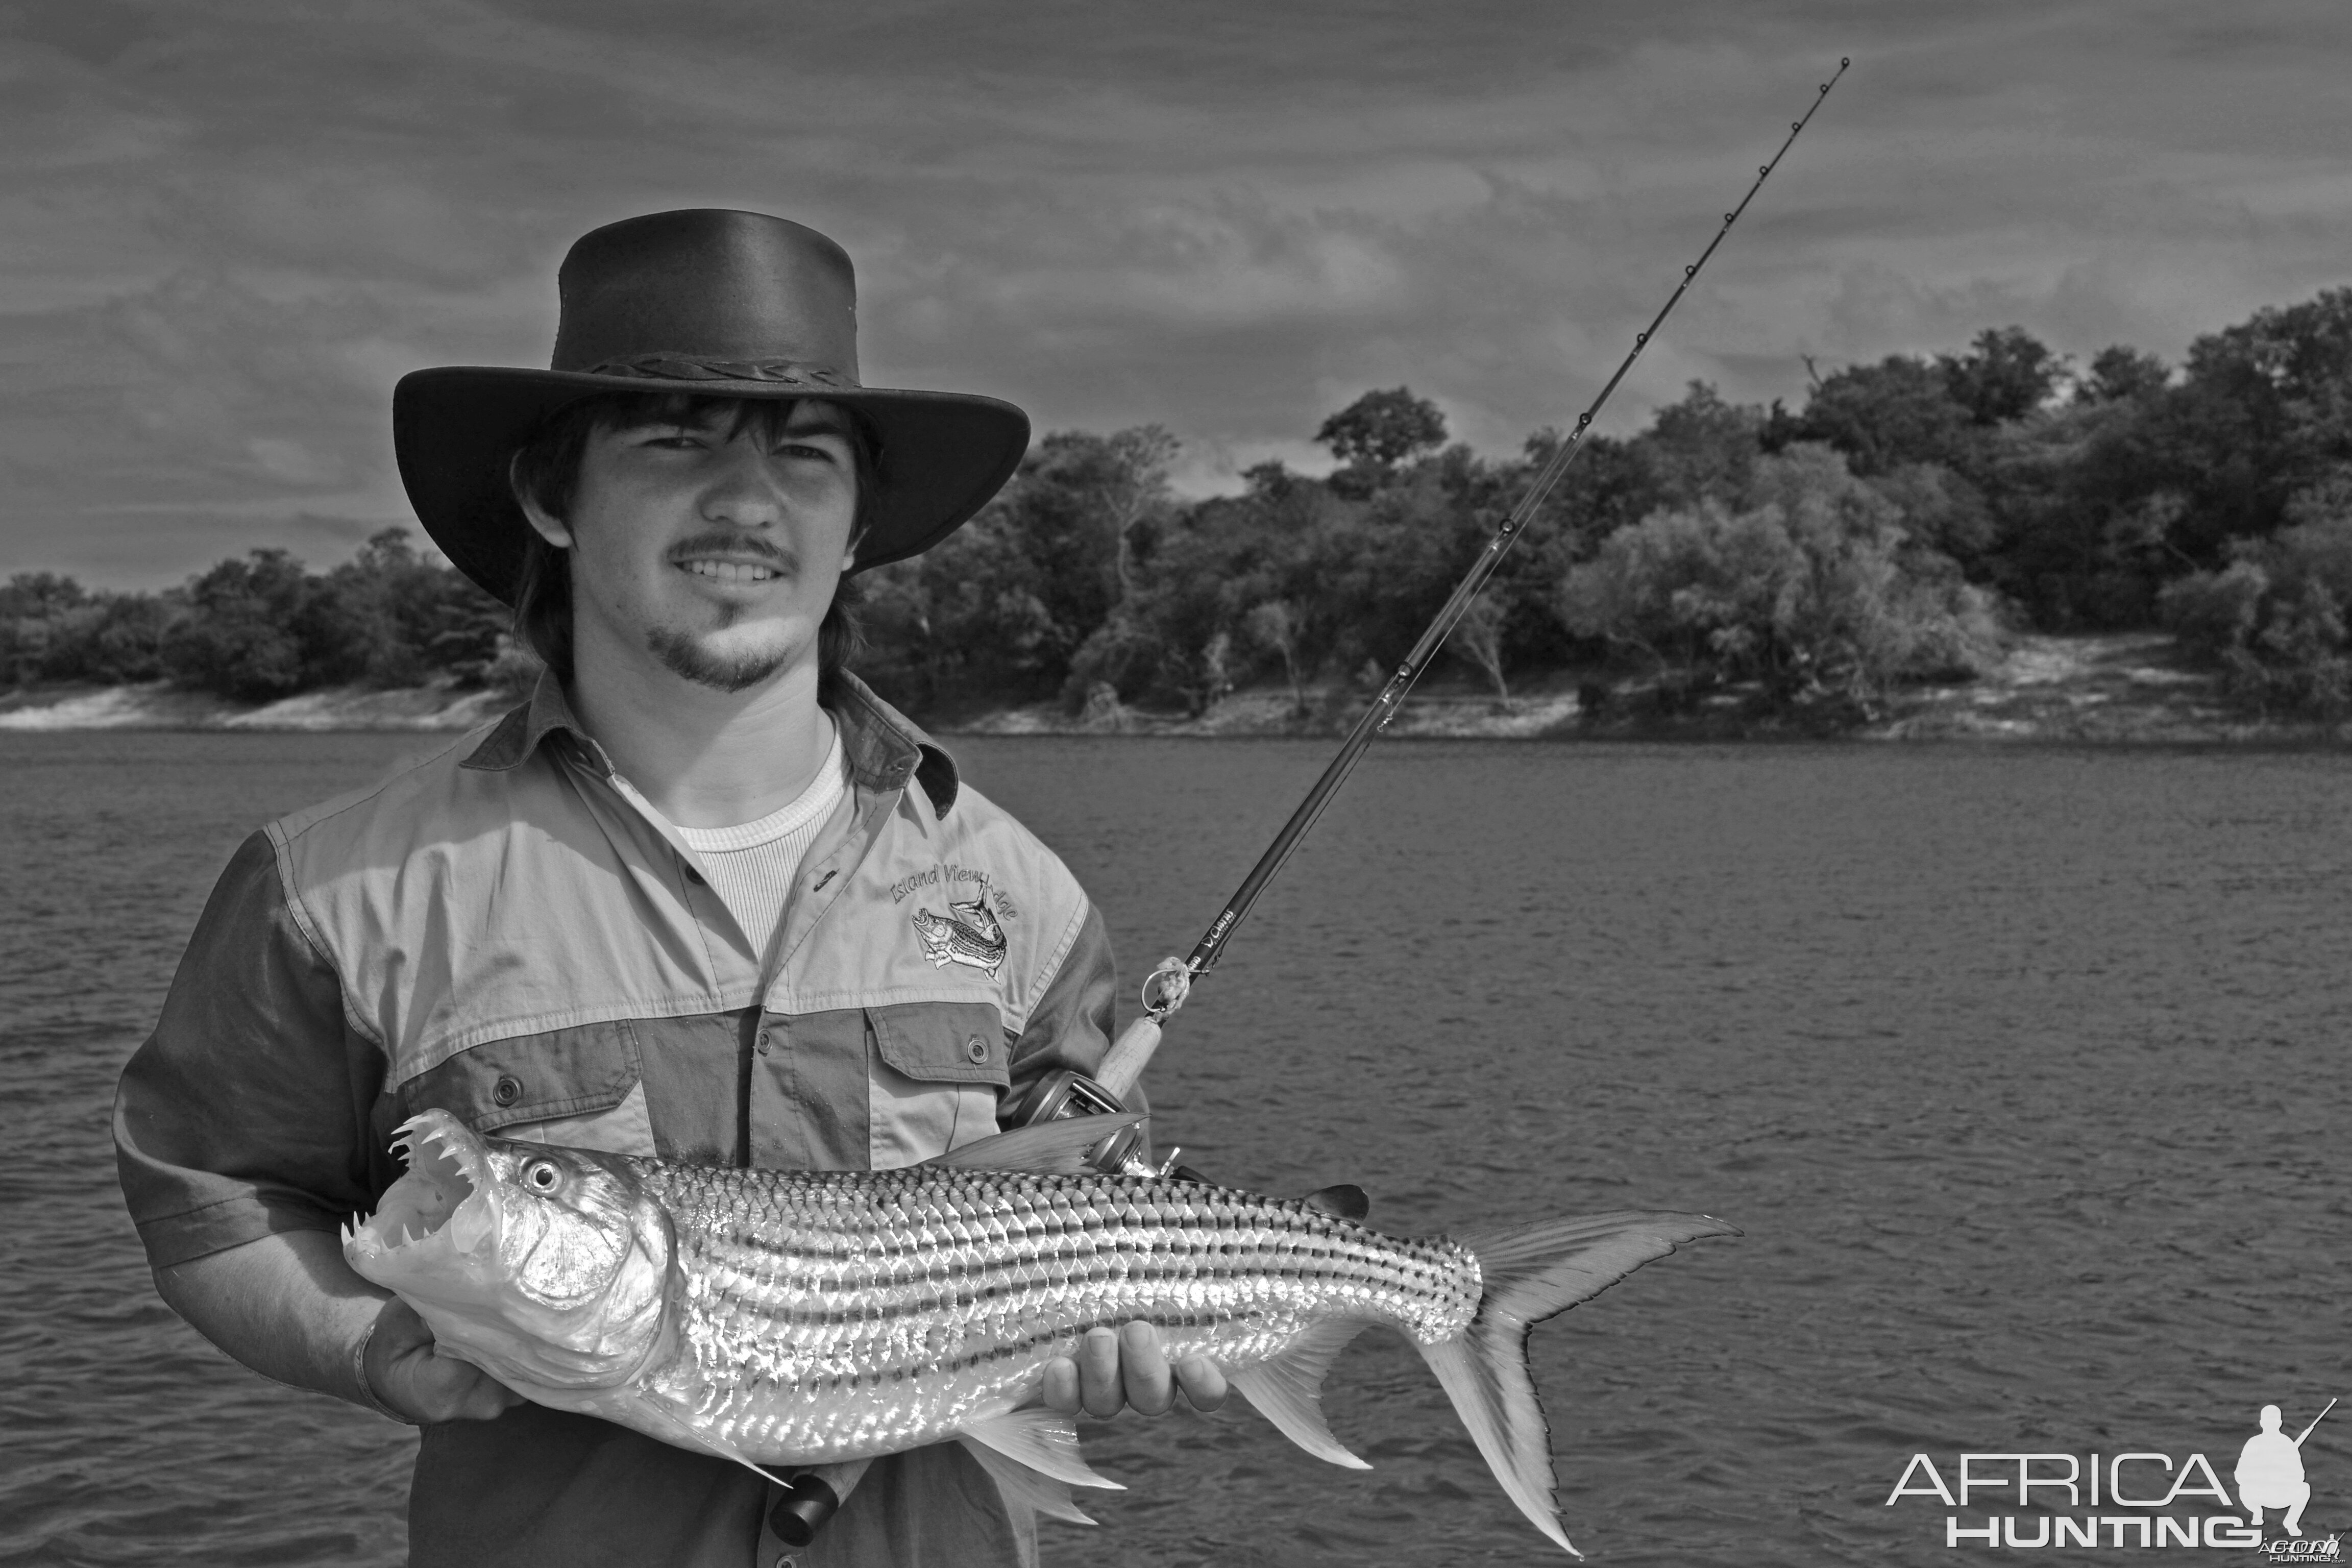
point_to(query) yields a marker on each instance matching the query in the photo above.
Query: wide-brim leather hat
(714, 304)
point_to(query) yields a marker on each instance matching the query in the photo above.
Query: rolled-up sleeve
(249, 1111)
(1070, 1026)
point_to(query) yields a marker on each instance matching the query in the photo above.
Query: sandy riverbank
(155, 705)
(2132, 688)
(2124, 689)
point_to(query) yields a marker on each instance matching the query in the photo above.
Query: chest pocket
(937, 1071)
(584, 1087)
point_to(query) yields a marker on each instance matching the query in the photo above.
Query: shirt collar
(884, 748)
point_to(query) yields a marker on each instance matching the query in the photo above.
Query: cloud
(225, 230)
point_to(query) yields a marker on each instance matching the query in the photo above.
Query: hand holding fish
(1128, 1369)
(410, 1377)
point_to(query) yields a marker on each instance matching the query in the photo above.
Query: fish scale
(834, 1314)
(798, 1318)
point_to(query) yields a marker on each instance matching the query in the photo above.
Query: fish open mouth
(441, 1204)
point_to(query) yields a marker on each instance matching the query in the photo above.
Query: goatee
(681, 655)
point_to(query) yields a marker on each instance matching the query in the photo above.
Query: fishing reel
(1125, 1152)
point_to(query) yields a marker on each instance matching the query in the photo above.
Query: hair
(545, 466)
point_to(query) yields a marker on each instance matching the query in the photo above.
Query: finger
(487, 1400)
(1204, 1382)
(1061, 1389)
(440, 1388)
(398, 1329)
(1098, 1372)
(1143, 1370)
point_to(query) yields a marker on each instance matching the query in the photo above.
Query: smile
(729, 571)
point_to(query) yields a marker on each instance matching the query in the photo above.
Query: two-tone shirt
(498, 932)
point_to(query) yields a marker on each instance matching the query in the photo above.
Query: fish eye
(543, 1175)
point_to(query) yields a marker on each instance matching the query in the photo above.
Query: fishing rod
(2316, 1421)
(1166, 988)
(811, 1494)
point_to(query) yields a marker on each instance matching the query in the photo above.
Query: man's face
(710, 549)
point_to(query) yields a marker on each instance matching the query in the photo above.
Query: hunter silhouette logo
(2270, 1471)
(967, 934)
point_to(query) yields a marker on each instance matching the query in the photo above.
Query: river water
(2020, 1068)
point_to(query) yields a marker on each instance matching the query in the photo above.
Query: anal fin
(1288, 1390)
(1043, 1440)
(1025, 1488)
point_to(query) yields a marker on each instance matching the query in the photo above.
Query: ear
(549, 526)
(849, 555)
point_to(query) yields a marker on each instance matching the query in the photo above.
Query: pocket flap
(943, 1042)
(576, 1071)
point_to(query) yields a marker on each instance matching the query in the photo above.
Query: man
(676, 904)
(2269, 1474)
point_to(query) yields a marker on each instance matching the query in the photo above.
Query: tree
(1133, 485)
(1004, 603)
(1700, 446)
(1479, 637)
(2263, 411)
(1882, 416)
(240, 636)
(1382, 429)
(35, 608)
(1276, 624)
(1811, 590)
(2006, 375)
(2119, 375)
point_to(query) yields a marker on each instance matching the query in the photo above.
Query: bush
(2275, 619)
(1810, 590)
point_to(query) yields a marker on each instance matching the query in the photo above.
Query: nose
(743, 489)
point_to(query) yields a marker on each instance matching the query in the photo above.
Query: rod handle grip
(1129, 1055)
(811, 1497)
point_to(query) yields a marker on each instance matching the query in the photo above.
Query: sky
(227, 228)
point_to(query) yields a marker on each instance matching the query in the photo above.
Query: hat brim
(454, 428)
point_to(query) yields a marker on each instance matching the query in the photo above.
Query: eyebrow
(828, 423)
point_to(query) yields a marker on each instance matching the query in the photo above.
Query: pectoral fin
(1048, 1148)
(1042, 1440)
(1288, 1390)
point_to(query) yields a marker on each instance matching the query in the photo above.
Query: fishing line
(1166, 988)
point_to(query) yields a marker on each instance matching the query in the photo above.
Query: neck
(704, 758)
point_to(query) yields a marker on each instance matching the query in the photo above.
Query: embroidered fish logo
(968, 934)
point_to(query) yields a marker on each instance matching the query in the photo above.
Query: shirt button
(508, 1089)
(693, 875)
(976, 1048)
(762, 1047)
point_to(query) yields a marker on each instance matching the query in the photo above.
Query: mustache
(721, 543)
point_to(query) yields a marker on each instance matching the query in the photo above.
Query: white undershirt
(752, 864)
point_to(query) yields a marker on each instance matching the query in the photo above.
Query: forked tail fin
(1527, 1274)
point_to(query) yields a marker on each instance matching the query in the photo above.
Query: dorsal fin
(1345, 1200)
(1048, 1148)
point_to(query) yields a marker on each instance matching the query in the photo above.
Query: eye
(821, 446)
(543, 1175)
